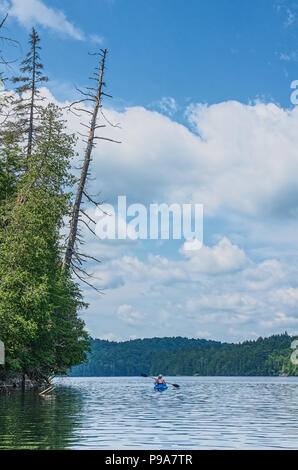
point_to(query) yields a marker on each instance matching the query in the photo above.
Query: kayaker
(159, 380)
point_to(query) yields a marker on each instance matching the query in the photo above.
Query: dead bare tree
(73, 259)
(3, 21)
(5, 106)
(1, 58)
(4, 39)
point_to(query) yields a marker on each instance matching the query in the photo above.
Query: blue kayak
(160, 387)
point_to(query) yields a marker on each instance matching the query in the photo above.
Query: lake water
(126, 413)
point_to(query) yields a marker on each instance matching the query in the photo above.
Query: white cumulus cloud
(35, 12)
(32, 12)
(241, 162)
(220, 258)
(127, 314)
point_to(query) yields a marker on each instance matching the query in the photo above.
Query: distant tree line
(183, 356)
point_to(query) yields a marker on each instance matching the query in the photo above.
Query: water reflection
(28, 421)
(126, 413)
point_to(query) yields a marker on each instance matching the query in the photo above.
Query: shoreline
(17, 381)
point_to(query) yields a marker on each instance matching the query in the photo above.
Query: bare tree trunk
(3, 21)
(31, 119)
(82, 183)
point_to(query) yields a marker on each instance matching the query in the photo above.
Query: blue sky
(193, 51)
(202, 92)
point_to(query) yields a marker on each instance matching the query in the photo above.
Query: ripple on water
(126, 413)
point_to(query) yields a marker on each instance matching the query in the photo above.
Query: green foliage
(133, 357)
(182, 356)
(38, 300)
(246, 359)
(9, 165)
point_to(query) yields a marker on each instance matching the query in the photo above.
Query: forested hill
(109, 358)
(183, 356)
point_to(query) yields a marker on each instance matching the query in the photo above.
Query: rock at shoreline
(9, 382)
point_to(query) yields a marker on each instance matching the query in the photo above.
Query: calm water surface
(126, 413)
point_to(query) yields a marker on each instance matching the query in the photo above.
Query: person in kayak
(159, 380)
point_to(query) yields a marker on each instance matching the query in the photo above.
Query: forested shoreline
(183, 356)
(40, 296)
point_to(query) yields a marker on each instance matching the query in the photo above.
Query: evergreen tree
(28, 104)
(10, 164)
(39, 302)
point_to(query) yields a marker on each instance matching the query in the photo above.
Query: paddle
(149, 376)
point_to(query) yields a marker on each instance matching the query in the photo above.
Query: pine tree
(39, 302)
(10, 165)
(28, 105)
